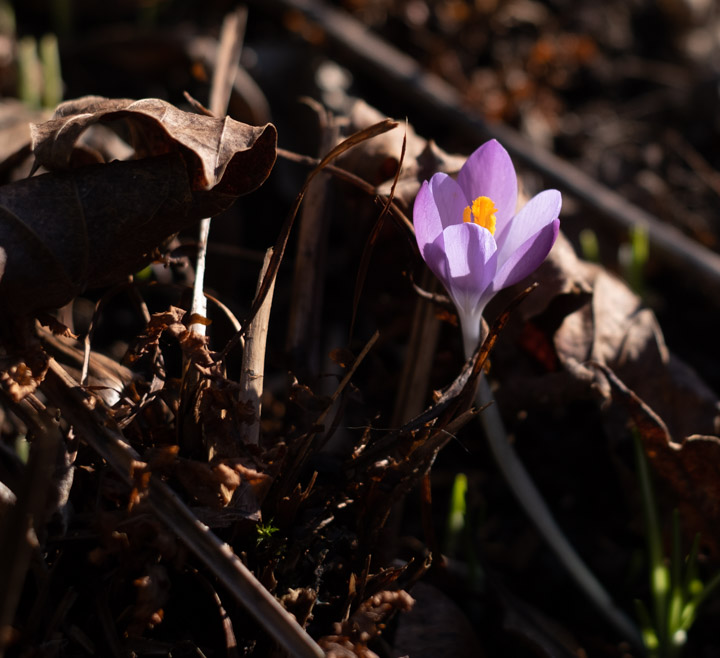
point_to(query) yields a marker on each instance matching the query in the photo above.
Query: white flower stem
(473, 331)
(530, 499)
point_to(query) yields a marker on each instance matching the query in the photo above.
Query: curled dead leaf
(228, 482)
(88, 227)
(224, 152)
(689, 467)
(585, 314)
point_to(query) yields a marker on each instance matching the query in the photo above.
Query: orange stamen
(482, 212)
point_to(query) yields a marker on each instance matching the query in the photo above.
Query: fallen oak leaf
(583, 313)
(89, 227)
(690, 468)
(214, 147)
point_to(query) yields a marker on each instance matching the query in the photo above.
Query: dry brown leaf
(214, 146)
(588, 314)
(237, 483)
(691, 468)
(205, 484)
(170, 321)
(377, 160)
(89, 227)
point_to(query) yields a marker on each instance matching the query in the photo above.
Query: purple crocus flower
(472, 239)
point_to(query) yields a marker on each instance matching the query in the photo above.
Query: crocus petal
(426, 218)
(489, 172)
(438, 204)
(434, 255)
(539, 212)
(471, 263)
(527, 257)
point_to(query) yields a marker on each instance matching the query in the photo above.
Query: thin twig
(700, 166)
(227, 60)
(319, 424)
(87, 341)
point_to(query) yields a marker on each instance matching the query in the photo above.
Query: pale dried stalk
(226, 67)
(252, 374)
(98, 431)
(228, 60)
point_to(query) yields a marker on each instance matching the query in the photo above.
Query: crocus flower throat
(482, 212)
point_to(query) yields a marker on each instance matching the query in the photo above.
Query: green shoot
(145, 274)
(458, 534)
(633, 258)
(52, 93)
(589, 246)
(22, 448)
(265, 531)
(456, 514)
(29, 72)
(675, 587)
(39, 78)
